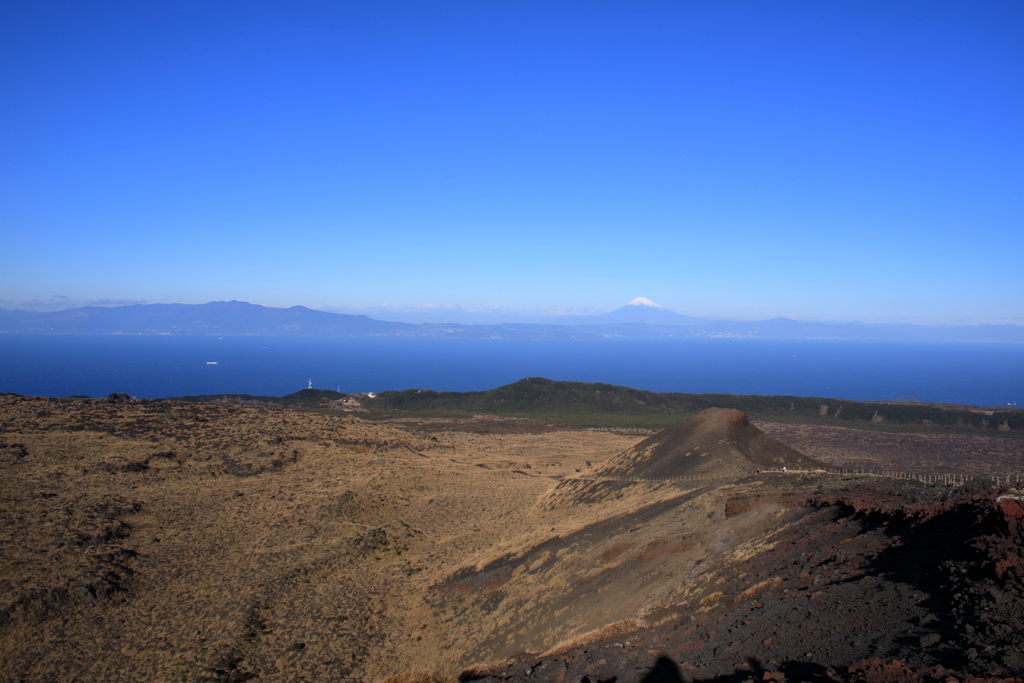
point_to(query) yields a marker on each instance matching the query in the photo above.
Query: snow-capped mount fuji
(639, 310)
(643, 301)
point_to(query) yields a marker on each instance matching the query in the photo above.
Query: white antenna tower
(310, 384)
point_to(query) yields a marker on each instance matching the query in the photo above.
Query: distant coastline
(239, 318)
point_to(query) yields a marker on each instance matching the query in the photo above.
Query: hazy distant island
(639, 319)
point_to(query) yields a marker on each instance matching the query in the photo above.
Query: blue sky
(835, 161)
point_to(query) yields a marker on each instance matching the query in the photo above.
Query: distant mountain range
(639, 310)
(641, 318)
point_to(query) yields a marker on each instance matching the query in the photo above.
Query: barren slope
(716, 442)
(155, 540)
(861, 579)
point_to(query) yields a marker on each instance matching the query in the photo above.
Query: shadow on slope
(626, 541)
(864, 580)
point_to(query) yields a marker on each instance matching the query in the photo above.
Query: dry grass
(710, 599)
(200, 521)
(421, 677)
(606, 631)
(759, 587)
(146, 540)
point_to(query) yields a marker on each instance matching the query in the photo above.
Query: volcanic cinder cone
(717, 442)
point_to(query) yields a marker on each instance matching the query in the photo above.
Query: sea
(166, 366)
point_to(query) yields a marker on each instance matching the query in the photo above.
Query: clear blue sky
(825, 160)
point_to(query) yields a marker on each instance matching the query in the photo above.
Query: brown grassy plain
(163, 541)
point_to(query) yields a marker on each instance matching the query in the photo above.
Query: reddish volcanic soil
(863, 580)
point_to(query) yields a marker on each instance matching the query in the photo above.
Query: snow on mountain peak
(643, 301)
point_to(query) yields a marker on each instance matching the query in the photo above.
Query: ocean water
(164, 366)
